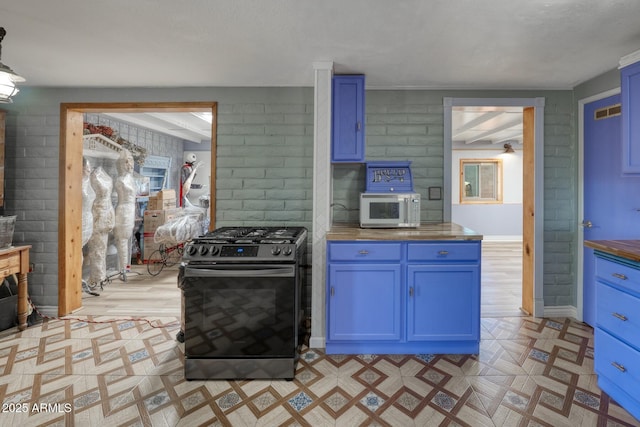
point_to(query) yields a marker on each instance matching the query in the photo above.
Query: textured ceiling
(486, 126)
(430, 44)
(494, 44)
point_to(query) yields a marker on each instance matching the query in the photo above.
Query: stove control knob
(192, 250)
(275, 250)
(286, 251)
(214, 250)
(203, 250)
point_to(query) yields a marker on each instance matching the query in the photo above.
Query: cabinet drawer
(364, 251)
(617, 362)
(444, 251)
(619, 313)
(11, 262)
(618, 274)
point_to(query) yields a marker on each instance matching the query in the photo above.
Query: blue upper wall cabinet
(347, 135)
(630, 83)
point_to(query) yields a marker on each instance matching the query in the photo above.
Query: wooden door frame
(533, 168)
(70, 182)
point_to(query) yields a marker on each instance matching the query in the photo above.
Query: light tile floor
(81, 372)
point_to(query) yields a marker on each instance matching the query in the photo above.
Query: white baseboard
(317, 342)
(561, 311)
(517, 238)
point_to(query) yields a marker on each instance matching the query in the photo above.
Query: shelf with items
(157, 169)
(99, 146)
(2, 137)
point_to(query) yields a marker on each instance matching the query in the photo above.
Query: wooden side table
(15, 260)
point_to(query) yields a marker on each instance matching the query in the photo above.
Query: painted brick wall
(560, 201)
(408, 125)
(265, 166)
(265, 163)
(265, 139)
(265, 142)
(156, 144)
(400, 125)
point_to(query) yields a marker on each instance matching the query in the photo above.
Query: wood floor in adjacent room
(146, 295)
(141, 295)
(501, 279)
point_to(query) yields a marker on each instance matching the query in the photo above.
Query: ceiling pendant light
(8, 78)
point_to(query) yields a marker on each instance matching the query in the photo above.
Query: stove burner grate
(257, 235)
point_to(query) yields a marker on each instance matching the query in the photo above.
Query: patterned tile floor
(530, 372)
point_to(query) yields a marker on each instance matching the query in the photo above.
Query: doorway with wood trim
(532, 187)
(70, 179)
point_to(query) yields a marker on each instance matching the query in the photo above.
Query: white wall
(493, 221)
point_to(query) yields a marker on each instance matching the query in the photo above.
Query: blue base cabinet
(616, 337)
(403, 297)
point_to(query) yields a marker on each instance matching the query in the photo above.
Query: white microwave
(389, 210)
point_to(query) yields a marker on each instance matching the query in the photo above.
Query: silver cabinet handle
(443, 253)
(358, 126)
(620, 316)
(619, 276)
(363, 252)
(619, 367)
(411, 291)
(333, 291)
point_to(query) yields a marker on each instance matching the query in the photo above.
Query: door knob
(586, 224)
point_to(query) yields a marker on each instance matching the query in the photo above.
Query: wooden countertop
(436, 231)
(629, 249)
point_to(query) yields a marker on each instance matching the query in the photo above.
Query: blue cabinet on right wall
(347, 135)
(616, 339)
(630, 85)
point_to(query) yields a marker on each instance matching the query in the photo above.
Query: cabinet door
(630, 83)
(364, 302)
(347, 143)
(443, 302)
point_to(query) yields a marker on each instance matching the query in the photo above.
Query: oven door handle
(241, 271)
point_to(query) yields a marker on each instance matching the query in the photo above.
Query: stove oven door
(240, 311)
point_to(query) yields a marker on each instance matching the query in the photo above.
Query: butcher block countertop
(629, 249)
(437, 231)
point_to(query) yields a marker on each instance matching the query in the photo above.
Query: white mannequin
(88, 196)
(103, 219)
(126, 208)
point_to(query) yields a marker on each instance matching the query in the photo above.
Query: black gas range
(243, 316)
(246, 244)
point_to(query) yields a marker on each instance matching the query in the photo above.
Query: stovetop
(255, 235)
(246, 244)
